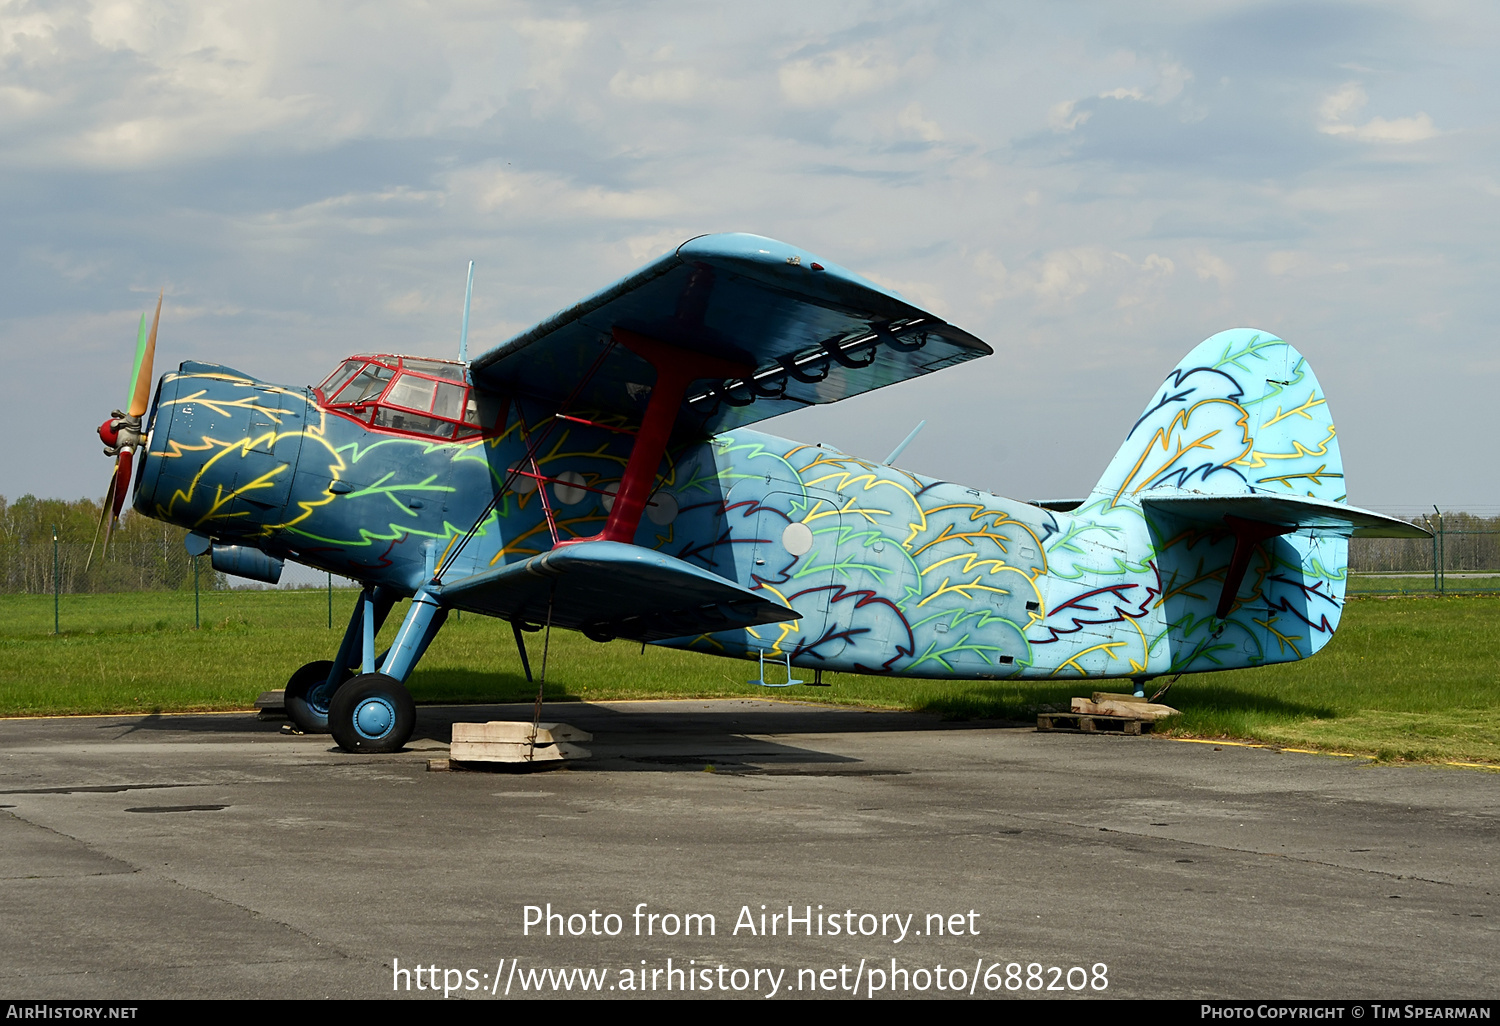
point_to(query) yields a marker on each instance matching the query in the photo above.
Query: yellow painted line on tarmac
(1492, 767)
(1274, 748)
(1204, 741)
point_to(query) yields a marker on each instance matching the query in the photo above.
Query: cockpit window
(437, 368)
(449, 403)
(339, 378)
(366, 386)
(412, 392)
(402, 393)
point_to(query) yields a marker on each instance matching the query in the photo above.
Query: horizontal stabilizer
(1299, 513)
(610, 589)
(812, 331)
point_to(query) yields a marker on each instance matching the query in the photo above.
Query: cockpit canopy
(424, 397)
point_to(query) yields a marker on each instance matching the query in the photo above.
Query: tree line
(144, 554)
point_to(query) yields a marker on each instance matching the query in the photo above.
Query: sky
(1091, 188)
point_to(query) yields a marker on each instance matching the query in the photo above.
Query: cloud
(667, 85)
(1171, 80)
(540, 196)
(1301, 264)
(641, 249)
(1063, 276)
(920, 293)
(839, 75)
(913, 122)
(553, 45)
(1341, 105)
(1064, 116)
(1208, 266)
(408, 303)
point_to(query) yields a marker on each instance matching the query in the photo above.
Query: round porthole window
(523, 484)
(607, 500)
(567, 488)
(662, 509)
(797, 539)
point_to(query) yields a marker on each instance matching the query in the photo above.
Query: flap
(606, 588)
(815, 333)
(1300, 512)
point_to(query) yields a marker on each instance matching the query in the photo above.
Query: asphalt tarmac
(212, 856)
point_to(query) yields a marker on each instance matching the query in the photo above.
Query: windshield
(408, 395)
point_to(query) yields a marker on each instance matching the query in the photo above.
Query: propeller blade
(140, 354)
(145, 357)
(120, 485)
(106, 515)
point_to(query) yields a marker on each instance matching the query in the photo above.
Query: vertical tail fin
(1242, 414)
(1241, 423)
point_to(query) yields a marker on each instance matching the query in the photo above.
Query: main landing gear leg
(374, 712)
(310, 690)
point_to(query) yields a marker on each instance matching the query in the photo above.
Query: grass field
(1404, 679)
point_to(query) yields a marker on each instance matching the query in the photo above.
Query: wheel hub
(374, 718)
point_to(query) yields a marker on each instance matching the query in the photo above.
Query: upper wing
(815, 333)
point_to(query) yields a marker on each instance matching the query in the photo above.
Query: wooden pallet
(1079, 723)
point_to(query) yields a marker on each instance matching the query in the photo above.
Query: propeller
(122, 434)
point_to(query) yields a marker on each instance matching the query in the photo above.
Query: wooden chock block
(510, 741)
(1133, 710)
(1110, 696)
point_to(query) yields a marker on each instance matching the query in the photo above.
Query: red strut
(1247, 535)
(676, 369)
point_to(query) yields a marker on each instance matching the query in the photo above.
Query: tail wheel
(372, 713)
(308, 695)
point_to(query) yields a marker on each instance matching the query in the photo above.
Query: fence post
(195, 593)
(330, 600)
(56, 586)
(1434, 554)
(1440, 576)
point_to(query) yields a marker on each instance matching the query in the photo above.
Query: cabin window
(414, 396)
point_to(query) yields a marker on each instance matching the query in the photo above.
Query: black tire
(307, 697)
(372, 714)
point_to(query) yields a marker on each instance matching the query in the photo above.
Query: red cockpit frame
(406, 395)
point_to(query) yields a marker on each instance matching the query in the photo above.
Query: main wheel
(307, 696)
(372, 713)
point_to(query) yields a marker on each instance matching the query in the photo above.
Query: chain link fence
(1463, 554)
(75, 568)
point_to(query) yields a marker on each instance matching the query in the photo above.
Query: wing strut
(676, 369)
(529, 460)
(1247, 535)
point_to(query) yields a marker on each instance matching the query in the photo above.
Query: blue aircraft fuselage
(891, 572)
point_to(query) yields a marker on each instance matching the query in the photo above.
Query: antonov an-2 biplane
(599, 472)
